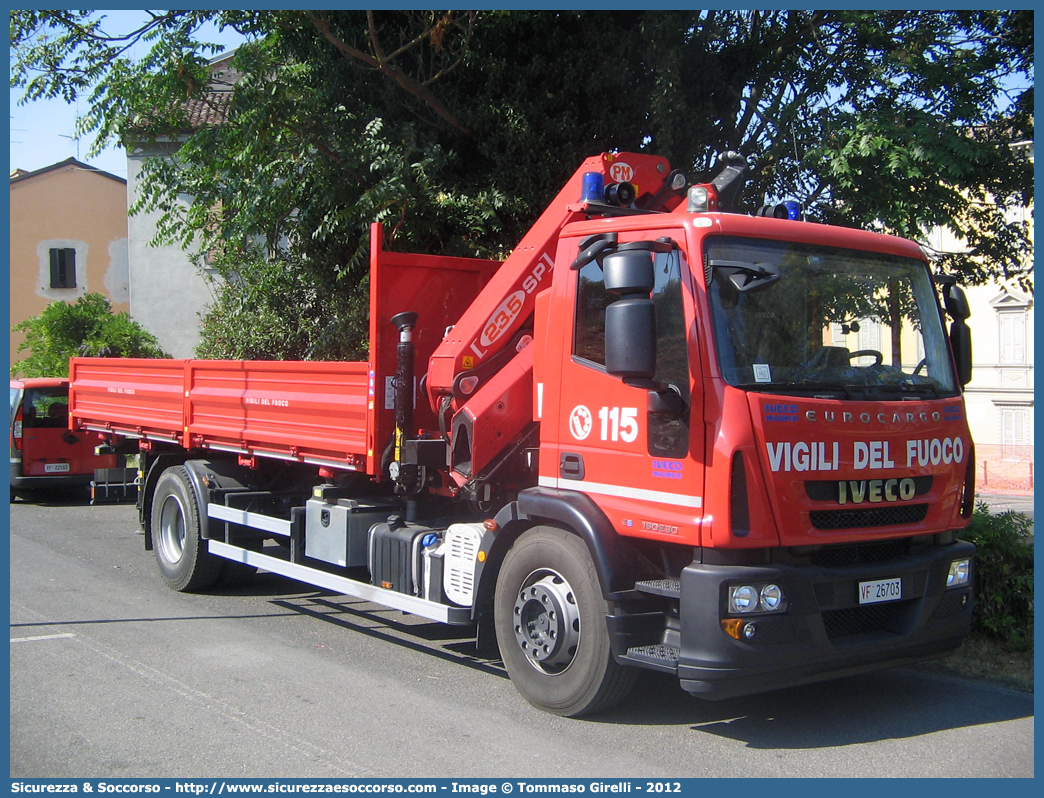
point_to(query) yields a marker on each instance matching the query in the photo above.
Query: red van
(45, 454)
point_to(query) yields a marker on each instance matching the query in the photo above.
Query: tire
(181, 553)
(549, 615)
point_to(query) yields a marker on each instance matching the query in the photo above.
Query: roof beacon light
(702, 198)
(593, 187)
(793, 210)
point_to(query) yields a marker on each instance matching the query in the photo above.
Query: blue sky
(42, 131)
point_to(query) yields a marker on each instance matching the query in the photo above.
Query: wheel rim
(547, 621)
(172, 529)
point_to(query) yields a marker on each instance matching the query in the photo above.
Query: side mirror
(956, 302)
(961, 344)
(630, 322)
(629, 272)
(630, 338)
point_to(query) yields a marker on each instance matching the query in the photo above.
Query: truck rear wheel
(181, 553)
(550, 621)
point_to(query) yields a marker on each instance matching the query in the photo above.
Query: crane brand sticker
(621, 172)
(507, 311)
(580, 422)
(502, 317)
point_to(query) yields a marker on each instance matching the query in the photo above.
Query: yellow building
(68, 238)
(1000, 397)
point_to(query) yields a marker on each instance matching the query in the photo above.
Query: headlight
(960, 573)
(743, 598)
(755, 598)
(771, 597)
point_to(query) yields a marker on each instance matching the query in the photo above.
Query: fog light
(771, 597)
(749, 630)
(743, 598)
(960, 573)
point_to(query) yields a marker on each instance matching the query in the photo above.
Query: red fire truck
(661, 434)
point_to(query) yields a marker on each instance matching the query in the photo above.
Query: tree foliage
(1003, 575)
(269, 309)
(85, 328)
(456, 128)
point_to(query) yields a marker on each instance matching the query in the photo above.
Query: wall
(68, 205)
(167, 291)
(999, 399)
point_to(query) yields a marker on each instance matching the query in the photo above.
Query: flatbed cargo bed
(302, 411)
(333, 414)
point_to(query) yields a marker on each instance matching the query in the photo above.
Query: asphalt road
(114, 675)
(1002, 502)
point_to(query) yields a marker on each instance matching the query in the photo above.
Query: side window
(591, 301)
(668, 431)
(672, 350)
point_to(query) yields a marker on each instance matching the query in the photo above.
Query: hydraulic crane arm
(475, 346)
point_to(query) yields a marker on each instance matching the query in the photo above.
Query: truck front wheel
(181, 553)
(550, 621)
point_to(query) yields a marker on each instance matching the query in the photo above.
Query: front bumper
(56, 481)
(825, 632)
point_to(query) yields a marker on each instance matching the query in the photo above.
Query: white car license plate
(56, 468)
(880, 590)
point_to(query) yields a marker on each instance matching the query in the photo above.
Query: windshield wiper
(803, 386)
(905, 388)
(747, 276)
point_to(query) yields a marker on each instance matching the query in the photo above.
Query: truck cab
(778, 401)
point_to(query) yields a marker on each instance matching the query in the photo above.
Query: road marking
(40, 637)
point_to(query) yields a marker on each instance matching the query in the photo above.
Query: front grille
(860, 553)
(878, 516)
(890, 617)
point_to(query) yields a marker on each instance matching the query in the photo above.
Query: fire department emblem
(580, 422)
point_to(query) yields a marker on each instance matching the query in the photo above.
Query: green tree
(456, 128)
(268, 308)
(85, 328)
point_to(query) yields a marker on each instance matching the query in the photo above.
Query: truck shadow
(891, 704)
(58, 497)
(449, 643)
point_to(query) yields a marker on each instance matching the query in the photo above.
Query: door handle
(571, 466)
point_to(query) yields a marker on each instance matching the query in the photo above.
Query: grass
(981, 657)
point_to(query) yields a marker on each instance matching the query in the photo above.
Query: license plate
(56, 468)
(880, 590)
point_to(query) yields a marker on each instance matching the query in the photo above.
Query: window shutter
(63, 267)
(56, 276)
(1012, 337)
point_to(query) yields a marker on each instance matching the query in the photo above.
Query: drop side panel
(439, 289)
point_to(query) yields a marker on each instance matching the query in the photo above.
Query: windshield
(808, 320)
